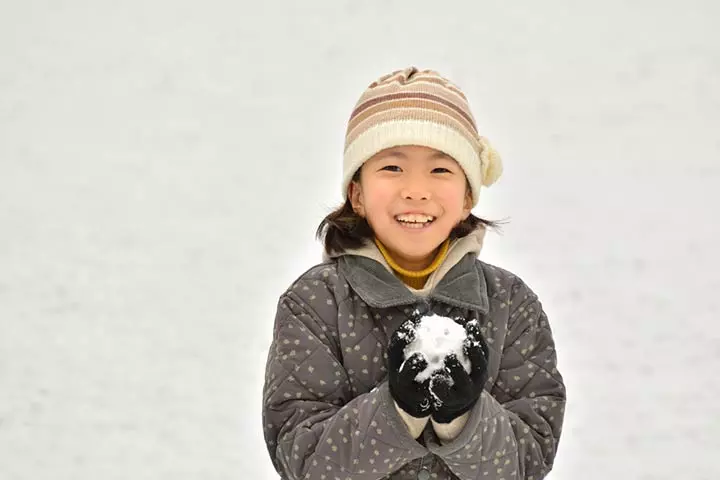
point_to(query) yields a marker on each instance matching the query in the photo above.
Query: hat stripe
(423, 85)
(449, 98)
(409, 111)
(444, 85)
(413, 95)
(401, 78)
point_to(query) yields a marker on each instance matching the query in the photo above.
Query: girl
(340, 401)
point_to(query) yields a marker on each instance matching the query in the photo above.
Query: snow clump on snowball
(435, 338)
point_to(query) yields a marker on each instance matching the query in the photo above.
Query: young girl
(340, 399)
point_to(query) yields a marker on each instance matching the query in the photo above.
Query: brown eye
(390, 166)
(442, 168)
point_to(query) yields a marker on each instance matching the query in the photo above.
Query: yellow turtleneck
(415, 279)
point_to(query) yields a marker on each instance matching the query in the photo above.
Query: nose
(415, 189)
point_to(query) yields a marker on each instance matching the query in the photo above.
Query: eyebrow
(399, 154)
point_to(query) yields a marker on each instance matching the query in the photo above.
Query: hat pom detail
(491, 162)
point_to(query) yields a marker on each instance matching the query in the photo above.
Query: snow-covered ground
(164, 165)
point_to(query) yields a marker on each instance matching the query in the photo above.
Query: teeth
(415, 218)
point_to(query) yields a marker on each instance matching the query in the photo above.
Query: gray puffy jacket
(327, 411)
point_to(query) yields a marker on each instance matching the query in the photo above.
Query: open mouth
(416, 222)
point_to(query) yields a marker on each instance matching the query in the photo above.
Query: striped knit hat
(418, 107)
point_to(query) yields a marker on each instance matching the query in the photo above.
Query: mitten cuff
(447, 432)
(415, 425)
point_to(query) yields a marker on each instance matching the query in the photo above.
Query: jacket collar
(460, 283)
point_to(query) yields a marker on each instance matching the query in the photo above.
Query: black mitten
(454, 391)
(411, 396)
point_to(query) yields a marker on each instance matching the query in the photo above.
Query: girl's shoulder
(496, 272)
(321, 278)
(502, 282)
(324, 271)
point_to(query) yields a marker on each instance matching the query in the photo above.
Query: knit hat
(418, 107)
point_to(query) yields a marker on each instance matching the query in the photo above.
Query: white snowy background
(164, 166)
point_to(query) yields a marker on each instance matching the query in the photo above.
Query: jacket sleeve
(314, 426)
(513, 432)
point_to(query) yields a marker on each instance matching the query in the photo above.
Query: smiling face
(416, 179)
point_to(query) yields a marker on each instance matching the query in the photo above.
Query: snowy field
(164, 165)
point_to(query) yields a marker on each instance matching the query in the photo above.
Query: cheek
(451, 198)
(377, 200)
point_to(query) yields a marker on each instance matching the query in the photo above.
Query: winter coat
(327, 411)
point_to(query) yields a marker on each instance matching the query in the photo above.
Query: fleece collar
(457, 281)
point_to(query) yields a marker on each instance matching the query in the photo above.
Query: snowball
(435, 338)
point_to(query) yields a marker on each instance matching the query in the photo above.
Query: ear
(467, 205)
(356, 198)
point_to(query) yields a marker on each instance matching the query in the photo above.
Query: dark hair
(344, 229)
